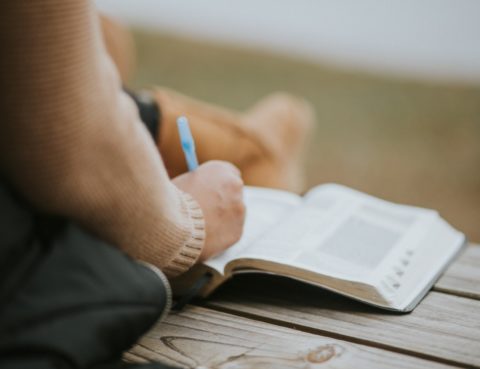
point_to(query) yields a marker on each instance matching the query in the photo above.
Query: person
(95, 215)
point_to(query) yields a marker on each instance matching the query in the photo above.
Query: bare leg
(266, 142)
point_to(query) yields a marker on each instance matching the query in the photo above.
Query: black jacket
(68, 300)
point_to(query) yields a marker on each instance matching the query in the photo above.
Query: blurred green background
(405, 141)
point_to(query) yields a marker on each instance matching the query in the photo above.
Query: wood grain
(443, 327)
(463, 276)
(202, 338)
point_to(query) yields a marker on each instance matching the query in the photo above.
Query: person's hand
(218, 188)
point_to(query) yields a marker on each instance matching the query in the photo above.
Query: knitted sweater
(71, 142)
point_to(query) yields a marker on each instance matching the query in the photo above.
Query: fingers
(234, 169)
(223, 165)
(218, 188)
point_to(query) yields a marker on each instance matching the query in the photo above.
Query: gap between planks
(462, 278)
(338, 336)
(201, 337)
(447, 305)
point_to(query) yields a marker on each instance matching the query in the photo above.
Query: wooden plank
(443, 327)
(463, 277)
(203, 338)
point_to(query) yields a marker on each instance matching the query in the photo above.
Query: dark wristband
(148, 110)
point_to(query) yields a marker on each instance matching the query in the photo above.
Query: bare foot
(283, 124)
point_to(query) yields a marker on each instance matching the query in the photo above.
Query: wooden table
(270, 322)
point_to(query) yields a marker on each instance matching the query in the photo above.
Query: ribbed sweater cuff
(188, 254)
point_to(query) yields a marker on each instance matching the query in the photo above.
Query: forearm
(72, 142)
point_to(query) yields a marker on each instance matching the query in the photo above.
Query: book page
(343, 233)
(423, 265)
(264, 209)
(370, 230)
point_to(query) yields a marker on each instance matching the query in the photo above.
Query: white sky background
(427, 39)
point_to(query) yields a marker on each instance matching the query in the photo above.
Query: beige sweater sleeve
(71, 141)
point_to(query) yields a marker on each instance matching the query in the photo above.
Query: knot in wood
(323, 353)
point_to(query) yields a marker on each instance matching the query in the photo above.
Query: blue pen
(188, 144)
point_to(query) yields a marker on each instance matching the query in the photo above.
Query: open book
(381, 253)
